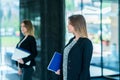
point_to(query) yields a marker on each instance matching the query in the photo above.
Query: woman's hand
(57, 72)
(20, 61)
(19, 71)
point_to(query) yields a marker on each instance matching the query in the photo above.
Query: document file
(20, 53)
(55, 62)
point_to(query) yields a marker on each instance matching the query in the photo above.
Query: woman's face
(23, 28)
(70, 28)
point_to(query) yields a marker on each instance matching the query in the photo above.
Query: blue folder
(55, 62)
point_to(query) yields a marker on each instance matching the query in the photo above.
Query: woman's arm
(33, 51)
(87, 54)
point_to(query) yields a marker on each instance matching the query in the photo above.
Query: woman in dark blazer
(26, 65)
(78, 52)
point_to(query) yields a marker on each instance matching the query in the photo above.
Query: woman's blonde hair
(79, 24)
(29, 27)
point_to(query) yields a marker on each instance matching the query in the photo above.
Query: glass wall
(110, 37)
(102, 26)
(9, 36)
(11, 14)
(9, 29)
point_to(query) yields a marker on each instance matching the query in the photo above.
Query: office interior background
(49, 18)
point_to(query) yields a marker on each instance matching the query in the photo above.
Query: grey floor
(96, 71)
(8, 73)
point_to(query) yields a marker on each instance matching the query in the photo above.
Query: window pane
(110, 37)
(102, 31)
(9, 29)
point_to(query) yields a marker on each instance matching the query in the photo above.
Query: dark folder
(55, 62)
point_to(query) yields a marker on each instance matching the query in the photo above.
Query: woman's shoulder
(31, 37)
(85, 40)
(88, 42)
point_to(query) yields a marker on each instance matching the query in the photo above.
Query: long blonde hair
(29, 27)
(79, 24)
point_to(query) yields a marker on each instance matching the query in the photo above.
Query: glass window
(9, 29)
(110, 37)
(102, 27)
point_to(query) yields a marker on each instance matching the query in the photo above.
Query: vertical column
(52, 33)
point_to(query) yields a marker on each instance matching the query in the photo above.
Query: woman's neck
(26, 34)
(77, 36)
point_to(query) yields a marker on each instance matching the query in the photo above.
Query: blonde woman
(27, 43)
(78, 52)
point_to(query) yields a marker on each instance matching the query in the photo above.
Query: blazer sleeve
(33, 51)
(87, 54)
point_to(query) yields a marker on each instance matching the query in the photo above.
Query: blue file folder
(55, 62)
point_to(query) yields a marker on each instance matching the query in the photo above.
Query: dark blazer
(29, 44)
(79, 59)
